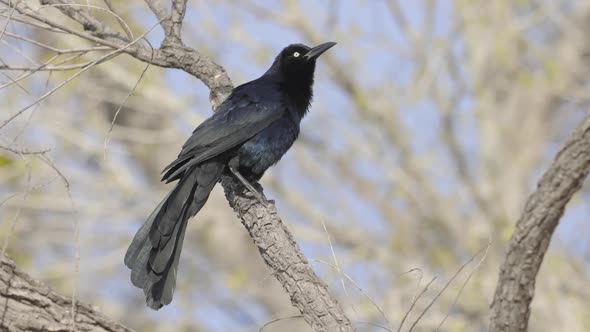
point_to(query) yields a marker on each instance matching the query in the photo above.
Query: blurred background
(432, 122)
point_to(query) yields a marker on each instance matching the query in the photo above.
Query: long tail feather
(155, 250)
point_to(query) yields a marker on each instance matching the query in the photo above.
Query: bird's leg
(233, 167)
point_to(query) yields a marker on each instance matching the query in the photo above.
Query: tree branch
(78, 13)
(22, 151)
(529, 242)
(157, 7)
(172, 56)
(173, 34)
(173, 25)
(282, 254)
(28, 305)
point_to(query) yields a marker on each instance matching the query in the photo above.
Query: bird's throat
(300, 92)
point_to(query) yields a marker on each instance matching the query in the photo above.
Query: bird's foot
(254, 189)
(251, 192)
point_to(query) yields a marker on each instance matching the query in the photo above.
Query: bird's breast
(267, 147)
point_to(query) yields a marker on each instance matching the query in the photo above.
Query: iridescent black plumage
(253, 128)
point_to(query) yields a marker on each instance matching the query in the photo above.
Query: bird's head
(297, 61)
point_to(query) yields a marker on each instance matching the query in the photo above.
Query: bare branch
(22, 9)
(161, 13)
(76, 12)
(90, 65)
(173, 56)
(33, 24)
(173, 34)
(171, 23)
(17, 50)
(401, 324)
(108, 135)
(47, 68)
(534, 229)
(485, 254)
(282, 254)
(55, 49)
(23, 76)
(352, 282)
(7, 21)
(122, 22)
(91, 18)
(23, 297)
(23, 151)
(278, 320)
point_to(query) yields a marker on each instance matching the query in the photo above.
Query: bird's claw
(259, 198)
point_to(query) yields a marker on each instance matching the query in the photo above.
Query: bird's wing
(248, 110)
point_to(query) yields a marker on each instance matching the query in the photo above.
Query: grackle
(251, 130)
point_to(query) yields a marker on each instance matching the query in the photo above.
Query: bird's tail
(154, 252)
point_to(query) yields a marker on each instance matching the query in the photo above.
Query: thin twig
(8, 19)
(447, 285)
(18, 212)
(17, 50)
(122, 22)
(485, 254)
(66, 29)
(23, 151)
(55, 49)
(34, 24)
(13, 81)
(47, 68)
(374, 325)
(97, 61)
(119, 19)
(336, 264)
(277, 320)
(26, 124)
(23, 76)
(108, 135)
(349, 278)
(401, 324)
(66, 183)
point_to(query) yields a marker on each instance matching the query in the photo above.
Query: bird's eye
(296, 54)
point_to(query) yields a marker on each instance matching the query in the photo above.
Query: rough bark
(282, 254)
(275, 243)
(534, 229)
(29, 305)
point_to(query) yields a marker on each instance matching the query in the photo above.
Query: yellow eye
(296, 54)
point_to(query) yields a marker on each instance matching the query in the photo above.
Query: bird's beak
(315, 52)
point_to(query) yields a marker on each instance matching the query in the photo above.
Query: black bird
(251, 131)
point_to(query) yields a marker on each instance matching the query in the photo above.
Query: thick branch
(173, 34)
(282, 254)
(529, 242)
(173, 24)
(28, 305)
